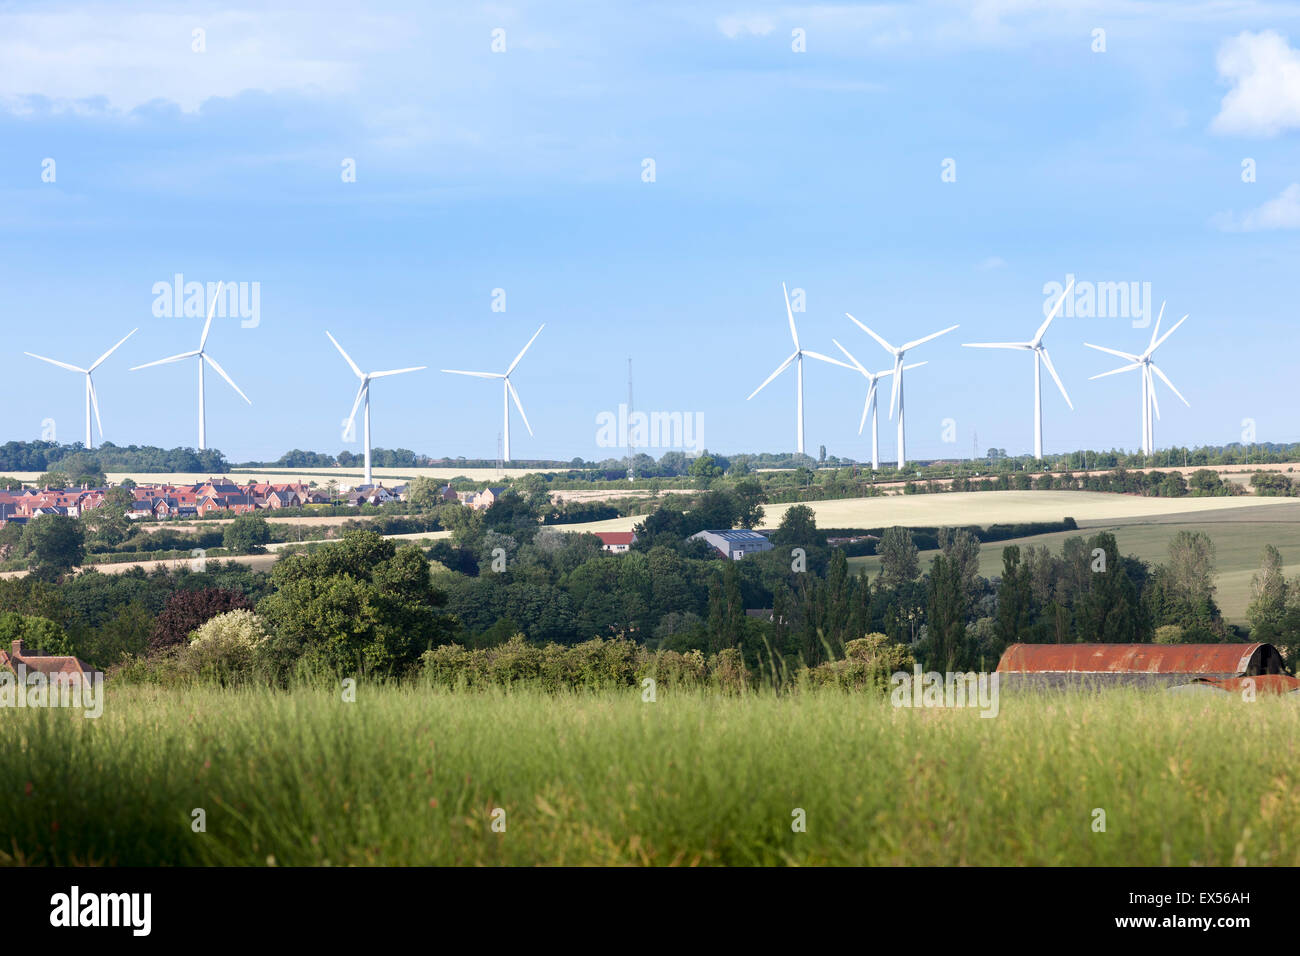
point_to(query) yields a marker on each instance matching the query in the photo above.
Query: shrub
(188, 610)
(1168, 634)
(225, 648)
(868, 664)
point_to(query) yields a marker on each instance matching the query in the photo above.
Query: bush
(868, 664)
(188, 610)
(1168, 634)
(225, 648)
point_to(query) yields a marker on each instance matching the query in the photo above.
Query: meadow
(409, 775)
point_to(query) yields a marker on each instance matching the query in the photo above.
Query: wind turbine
(508, 389)
(363, 392)
(896, 400)
(202, 357)
(873, 379)
(1148, 368)
(1041, 358)
(796, 356)
(92, 400)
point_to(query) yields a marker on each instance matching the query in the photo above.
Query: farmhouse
(734, 543)
(617, 542)
(48, 664)
(1144, 665)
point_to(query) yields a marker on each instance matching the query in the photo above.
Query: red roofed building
(617, 542)
(47, 664)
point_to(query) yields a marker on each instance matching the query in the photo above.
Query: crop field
(1239, 537)
(1088, 508)
(415, 776)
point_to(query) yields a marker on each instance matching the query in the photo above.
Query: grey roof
(736, 535)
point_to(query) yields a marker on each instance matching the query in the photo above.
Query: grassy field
(406, 776)
(1239, 537)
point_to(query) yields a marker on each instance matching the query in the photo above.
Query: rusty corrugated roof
(1261, 684)
(1231, 659)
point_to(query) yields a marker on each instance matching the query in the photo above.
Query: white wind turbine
(92, 400)
(873, 379)
(896, 400)
(363, 392)
(201, 356)
(797, 357)
(508, 390)
(1148, 369)
(1041, 358)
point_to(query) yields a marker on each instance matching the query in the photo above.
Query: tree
(898, 557)
(36, 633)
(56, 544)
(423, 492)
(1015, 599)
(963, 549)
(363, 605)
(1268, 590)
(798, 529)
(946, 613)
(188, 609)
(247, 534)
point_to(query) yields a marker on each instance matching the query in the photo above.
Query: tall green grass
(412, 776)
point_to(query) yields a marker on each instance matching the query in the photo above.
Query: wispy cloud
(1264, 71)
(1280, 212)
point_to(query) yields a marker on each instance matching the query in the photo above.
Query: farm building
(734, 543)
(1143, 665)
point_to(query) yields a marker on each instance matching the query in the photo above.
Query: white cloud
(755, 24)
(1265, 97)
(1280, 212)
(121, 60)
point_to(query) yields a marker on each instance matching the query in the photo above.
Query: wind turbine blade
(849, 355)
(883, 344)
(456, 371)
(525, 349)
(1047, 360)
(779, 369)
(1042, 329)
(222, 372)
(1155, 332)
(1172, 329)
(168, 360)
(398, 371)
(826, 358)
(1165, 378)
(915, 365)
(1126, 368)
(794, 333)
(346, 356)
(933, 335)
(1114, 352)
(996, 345)
(510, 387)
(866, 406)
(99, 361)
(94, 403)
(70, 368)
(361, 391)
(1151, 391)
(212, 310)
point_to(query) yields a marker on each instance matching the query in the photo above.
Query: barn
(1142, 665)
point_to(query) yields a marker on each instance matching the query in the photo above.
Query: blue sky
(522, 170)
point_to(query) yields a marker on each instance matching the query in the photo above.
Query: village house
(617, 542)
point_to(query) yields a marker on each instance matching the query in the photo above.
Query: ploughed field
(408, 775)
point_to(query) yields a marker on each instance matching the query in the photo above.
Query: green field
(410, 776)
(1239, 537)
